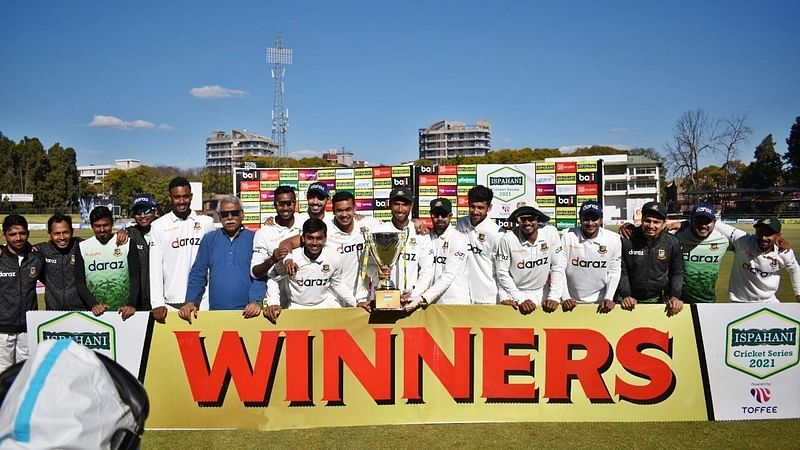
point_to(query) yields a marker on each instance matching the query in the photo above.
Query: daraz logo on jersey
(178, 243)
(307, 282)
(577, 262)
(530, 264)
(350, 248)
(107, 265)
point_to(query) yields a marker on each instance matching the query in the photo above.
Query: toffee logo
(762, 343)
(507, 184)
(761, 394)
(83, 329)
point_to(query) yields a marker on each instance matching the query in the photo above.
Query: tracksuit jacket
(60, 293)
(652, 271)
(18, 288)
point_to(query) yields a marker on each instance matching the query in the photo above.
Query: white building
(224, 152)
(629, 181)
(449, 139)
(95, 173)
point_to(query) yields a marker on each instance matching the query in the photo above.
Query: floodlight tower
(280, 57)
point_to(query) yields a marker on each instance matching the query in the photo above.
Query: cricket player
(652, 265)
(266, 246)
(483, 236)
(106, 274)
(317, 281)
(755, 276)
(593, 261)
(527, 257)
(449, 285)
(176, 240)
(414, 268)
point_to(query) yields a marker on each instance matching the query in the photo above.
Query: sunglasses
(142, 212)
(285, 203)
(234, 213)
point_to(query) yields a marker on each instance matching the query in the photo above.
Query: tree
(695, 134)
(735, 132)
(766, 169)
(792, 156)
(61, 183)
(217, 183)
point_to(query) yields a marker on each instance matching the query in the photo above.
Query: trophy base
(387, 299)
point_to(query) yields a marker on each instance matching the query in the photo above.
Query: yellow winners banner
(345, 367)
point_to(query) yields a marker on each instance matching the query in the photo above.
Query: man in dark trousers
(144, 210)
(652, 265)
(19, 270)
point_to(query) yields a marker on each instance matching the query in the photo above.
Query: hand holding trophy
(385, 248)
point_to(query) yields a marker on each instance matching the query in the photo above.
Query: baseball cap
(654, 209)
(402, 192)
(591, 207)
(142, 201)
(526, 210)
(318, 188)
(441, 205)
(704, 209)
(770, 222)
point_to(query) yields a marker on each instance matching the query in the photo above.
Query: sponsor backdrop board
(336, 367)
(122, 341)
(512, 185)
(562, 186)
(370, 185)
(752, 358)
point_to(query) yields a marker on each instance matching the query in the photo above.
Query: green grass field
(776, 434)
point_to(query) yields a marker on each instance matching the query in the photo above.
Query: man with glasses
(143, 209)
(530, 262)
(593, 261)
(223, 262)
(449, 285)
(176, 239)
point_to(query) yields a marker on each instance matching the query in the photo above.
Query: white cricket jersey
(531, 271)
(268, 238)
(593, 266)
(755, 276)
(350, 246)
(449, 269)
(172, 253)
(413, 270)
(317, 284)
(482, 242)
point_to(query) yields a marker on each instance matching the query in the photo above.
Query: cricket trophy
(385, 248)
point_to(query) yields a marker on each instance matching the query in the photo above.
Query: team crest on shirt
(602, 249)
(197, 225)
(33, 273)
(326, 268)
(662, 254)
(445, 245)
(412, 241)
(714, 247)
(481, 237)
(544, 246)
(117, 252)
(773, 261)
(72, 260)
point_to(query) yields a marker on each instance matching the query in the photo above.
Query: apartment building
(449, 139)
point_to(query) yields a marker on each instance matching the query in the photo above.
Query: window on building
(616, 186)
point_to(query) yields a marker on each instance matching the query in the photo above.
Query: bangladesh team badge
(662, 254)
(481, 237)
(197, 225)
(117, 252)
(544, 246)
(602, 249)
(326, 268)
(714, 247)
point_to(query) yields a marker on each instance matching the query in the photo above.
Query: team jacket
(60, 293)
(141, 243)
(593, 265)
(175, 246)
(652, 271)
(531, 271)
(449, 269)
(18, 288)
(482, 242)
(755, 275)
(317, 284)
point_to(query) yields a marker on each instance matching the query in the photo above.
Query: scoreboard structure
(559, 188)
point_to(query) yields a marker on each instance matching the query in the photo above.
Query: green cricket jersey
(701, 262)
(106, 271)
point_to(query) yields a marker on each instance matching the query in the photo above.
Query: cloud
(216, 91)
(101, 121)
(305, 154)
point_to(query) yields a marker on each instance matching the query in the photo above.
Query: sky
(151, 80)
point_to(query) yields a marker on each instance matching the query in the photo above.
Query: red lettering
(630, 355)
(298, 367)
(339, 347)
(419, 345)
(561, 369)
(498, 364)
(231, 362)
